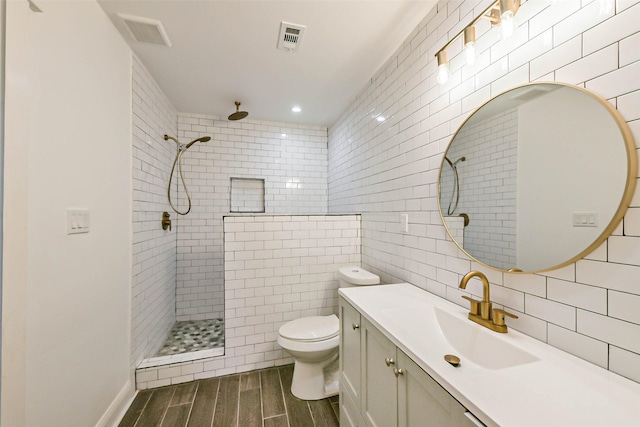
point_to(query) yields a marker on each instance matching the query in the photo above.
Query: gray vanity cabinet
(423, 402)
(380, 386)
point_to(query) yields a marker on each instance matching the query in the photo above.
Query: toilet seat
(311, 329)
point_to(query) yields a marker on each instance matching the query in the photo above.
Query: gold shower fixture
(500, 13)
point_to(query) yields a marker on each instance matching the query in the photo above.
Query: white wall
(154, 249)
(382, 170)
(293, 166)
(68, 144)
(3, 6)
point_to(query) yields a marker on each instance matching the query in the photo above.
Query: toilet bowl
(313, 342)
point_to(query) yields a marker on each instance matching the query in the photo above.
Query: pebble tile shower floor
(254, 399)
(189, 336)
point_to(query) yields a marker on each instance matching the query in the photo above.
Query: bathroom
(377, 170)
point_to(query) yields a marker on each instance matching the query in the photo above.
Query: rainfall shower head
(238, 115)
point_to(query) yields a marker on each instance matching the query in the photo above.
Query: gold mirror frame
(627, 195)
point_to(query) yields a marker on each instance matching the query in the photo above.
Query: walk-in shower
(193, 335)
(182, 148)
(455, 191)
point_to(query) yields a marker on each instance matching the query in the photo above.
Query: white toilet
(313, 342)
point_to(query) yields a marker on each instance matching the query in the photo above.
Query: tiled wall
(292, 159)
(588, 308)
(277, 268)
(490, 236)
(154, 250)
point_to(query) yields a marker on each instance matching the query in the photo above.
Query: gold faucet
(480, 311)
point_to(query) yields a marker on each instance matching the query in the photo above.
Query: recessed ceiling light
(296, 109)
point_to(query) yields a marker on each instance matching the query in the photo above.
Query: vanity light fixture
(500, 12)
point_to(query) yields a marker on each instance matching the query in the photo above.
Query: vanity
(393, 340)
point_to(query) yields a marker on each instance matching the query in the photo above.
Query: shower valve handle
(166, 222)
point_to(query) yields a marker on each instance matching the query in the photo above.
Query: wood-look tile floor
(258, 398)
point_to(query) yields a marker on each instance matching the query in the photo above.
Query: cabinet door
(349, 414)
(350, 354)
(379, 393)
(423, 402)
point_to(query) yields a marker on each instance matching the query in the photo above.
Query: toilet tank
(355, 276)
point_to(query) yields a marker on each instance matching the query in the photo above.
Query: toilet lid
(315, 328)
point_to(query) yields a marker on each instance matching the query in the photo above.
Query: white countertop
(558, 389)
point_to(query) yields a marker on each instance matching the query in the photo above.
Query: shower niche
(247, 195)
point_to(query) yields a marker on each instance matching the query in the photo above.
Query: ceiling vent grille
(146, 30)
(290, 36)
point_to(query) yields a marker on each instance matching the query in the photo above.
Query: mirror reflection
(540, 174)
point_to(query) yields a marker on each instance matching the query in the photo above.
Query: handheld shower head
(202, 139)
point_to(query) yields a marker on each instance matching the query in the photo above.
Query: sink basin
(480, 345)
(470, 341)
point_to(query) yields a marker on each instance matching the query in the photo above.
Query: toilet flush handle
(355, 326)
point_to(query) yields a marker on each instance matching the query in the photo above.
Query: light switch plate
(585, 219)
(77, 221)
(404, 223)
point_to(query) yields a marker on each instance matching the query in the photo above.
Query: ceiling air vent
(146, 30)
(290, 36)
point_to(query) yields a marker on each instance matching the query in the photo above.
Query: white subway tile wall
(487, 194)
(292, 159)
(385, 169)
(154, 249)
(277, 268)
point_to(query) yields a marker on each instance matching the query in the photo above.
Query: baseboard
(119, 406)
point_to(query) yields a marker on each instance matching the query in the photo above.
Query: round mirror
(537, 177)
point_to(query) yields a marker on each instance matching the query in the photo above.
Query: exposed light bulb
(606, 6)
(443, 74)
(470, 53)
(507, 24)
(443, 68)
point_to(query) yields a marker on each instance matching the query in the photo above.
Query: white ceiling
(223, 51)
